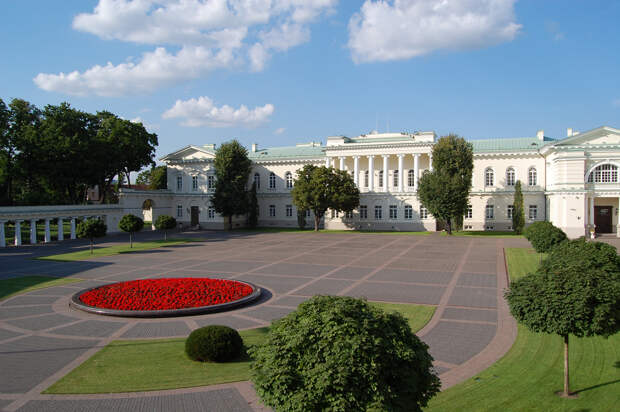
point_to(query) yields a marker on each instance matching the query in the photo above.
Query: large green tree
(575, 291)
(155, 178)
(232, 169)
(444, 191)
(518, 213)
(322, 188)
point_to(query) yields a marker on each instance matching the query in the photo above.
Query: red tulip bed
(165, 294)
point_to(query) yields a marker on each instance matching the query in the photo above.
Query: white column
(416, 170)
(341, 163)
(61, 233)
(385, 172)
(18, 232)
(430, 161)
(592, 211)
(326, 161)
(33, 231)
(48, 234)
(72, 236)
(2, 240)
(400, 172)
(356, 170)
(371, 173)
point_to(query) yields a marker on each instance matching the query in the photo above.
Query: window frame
(423, 212)
(288, 177)
(411, 178)
(487, 215)
(211, 212)
(179, 210)
(179, 183)
(289, 211)
(408, 212)
(272, 180)
(272, 210)
(489, 177)
(363, 212)
(532, 176)
(395, 178)
(530, 209)
(511, 176)
(378, 212)
(469, 214)
(257, 180)
(510, 211)
(393, 212)
(380, 184)
(194, 183)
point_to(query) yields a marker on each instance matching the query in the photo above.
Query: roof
(514, 144)
(287, 152)
(380, 139)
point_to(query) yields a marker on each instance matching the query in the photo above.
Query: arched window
(532, 177)
(489, 177)
(605, 173)
(272, 180)
(289, 180)
(366, 178)
(380, 178)
(510, 176)
(257, 180)
(411, 178)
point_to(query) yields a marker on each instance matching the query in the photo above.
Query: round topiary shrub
(544, 236)
(214, 343)
(342, 354)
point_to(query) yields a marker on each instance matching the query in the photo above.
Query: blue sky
(307, 69)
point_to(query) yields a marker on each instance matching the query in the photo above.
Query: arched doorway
(147, 211)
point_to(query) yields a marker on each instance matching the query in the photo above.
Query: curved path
(42, 339)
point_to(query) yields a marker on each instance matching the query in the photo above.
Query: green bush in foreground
(130, 223)
(90, 229)
(544, 236)
(341, 354)
(214, 343)
(165, 223)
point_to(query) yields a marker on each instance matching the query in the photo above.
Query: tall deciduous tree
(518, 213)
(575, 291)
(252, 207)
(445, 190)
(322, 188)
(232, 169)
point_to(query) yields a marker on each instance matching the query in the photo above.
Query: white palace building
(571, 181)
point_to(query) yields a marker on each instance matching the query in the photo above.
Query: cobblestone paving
(42, 339)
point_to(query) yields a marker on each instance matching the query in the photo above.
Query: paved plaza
(42, 339)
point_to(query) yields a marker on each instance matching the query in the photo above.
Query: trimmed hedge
(544, 236)
(214, 343)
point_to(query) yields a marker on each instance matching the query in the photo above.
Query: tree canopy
(322, 188)
(155, 178)
(91, 229)
(444, 191)
(165, 223)
(544, 236)
(232, 169)
(131, 223)
(575, 291)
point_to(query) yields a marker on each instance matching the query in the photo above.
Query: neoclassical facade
(571, 181)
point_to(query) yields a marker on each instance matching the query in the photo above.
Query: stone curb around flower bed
(76, 303)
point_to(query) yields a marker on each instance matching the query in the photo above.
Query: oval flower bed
(165, 297)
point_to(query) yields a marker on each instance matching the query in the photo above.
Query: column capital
(416, 154)
(400, 155)
(356, 157)
(385, 156)
(342, 157)
(370, 156)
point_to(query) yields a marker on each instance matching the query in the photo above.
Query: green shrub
(214, 343)
(90, 229)
(165, 223)
(544, 236)
(130, 223)
(341, 354)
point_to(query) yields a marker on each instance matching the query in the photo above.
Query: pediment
(189, 153)
(599, 136)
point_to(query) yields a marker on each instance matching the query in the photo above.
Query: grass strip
(157, 364)
(14, 286)
(115, 250)
(528, 376)
(483, 233)
(296, 230)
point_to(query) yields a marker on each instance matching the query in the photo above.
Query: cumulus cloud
(402, 29)
(280, 130)
(209, 34)
(203, 112)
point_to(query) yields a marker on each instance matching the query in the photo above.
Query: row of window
(490, 212)
(210, 183)
(489, 177)
(288, 179)
(606, 173)
(210, 212)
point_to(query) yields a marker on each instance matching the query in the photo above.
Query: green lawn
(482, 233)
(14, 286)
(311, 230)
(155, 364)
(528, 376)
(115, 250)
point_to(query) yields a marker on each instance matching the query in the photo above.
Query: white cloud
(203, 112)
(280, 130)
(209, 33)
(403, 29)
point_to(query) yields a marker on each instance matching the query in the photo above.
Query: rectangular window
(395, 180)
(211, 212)
(308, 213)
(510, 211)
(211, 182)
(408, 212)
(272, 210)
(348, 215)
(393, 212)
(363, 212)
(289, 210)
(194, 183)
(179, 211)
(335, 214)
(490, 212)
(378, 213)
(366, 178)
(179, 182)
(533, 212)
(470, 212)
(423, 212)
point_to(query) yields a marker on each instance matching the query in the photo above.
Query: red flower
(164, 294)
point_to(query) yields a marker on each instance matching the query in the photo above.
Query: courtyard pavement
(42, 339)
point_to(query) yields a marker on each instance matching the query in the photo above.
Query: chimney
(254, 147)
(569, 132)
(540, 134)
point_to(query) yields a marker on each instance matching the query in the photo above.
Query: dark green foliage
(544, 236)
(575, 291)
(252, 207)
(445, 190)
(301, 219)
(214, 343)
(322, 188)
(341, 354)
(232, 169)
(155, 178)
(165, 223)
(518, 213)
(131, 223)
(90, 229)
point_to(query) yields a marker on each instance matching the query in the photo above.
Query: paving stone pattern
(40, 335)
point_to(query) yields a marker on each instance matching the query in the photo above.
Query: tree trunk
(165, 235)
(566, 381)
(91, 246)
(449, 226)
(317, 219)
(230, 222)
(130, 241)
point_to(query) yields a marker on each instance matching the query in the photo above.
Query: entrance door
(194, 215)
(602, 218)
